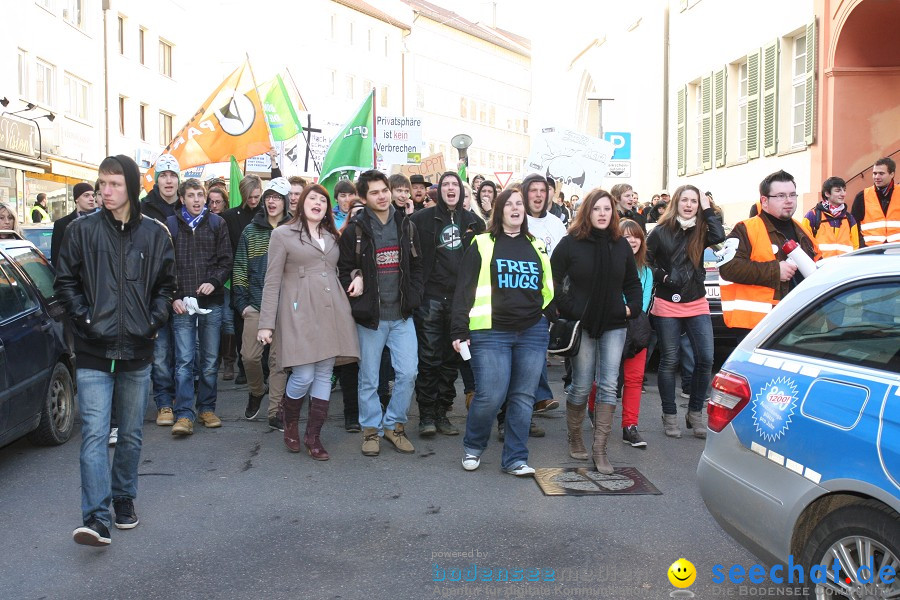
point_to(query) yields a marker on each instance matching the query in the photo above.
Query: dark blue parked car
(37, 395)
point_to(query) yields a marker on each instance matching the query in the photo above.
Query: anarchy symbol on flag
(237, 115)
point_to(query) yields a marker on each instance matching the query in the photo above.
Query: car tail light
(730, 395)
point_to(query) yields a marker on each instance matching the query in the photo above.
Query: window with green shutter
(682, 119)
(770, 99)
(719, 92)
(809, 125)
(753, 105)
(706, 121)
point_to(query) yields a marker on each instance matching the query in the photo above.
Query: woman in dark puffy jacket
(675, 253)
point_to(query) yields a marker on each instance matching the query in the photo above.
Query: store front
(20, 159)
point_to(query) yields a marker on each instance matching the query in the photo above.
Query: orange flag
(230, 123)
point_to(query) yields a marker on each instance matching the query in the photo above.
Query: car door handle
(46, 325)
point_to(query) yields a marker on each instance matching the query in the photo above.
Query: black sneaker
(276, 423)
(445, 427)
(92, 533)
(535, 431)
(253, 403)
(126, 518)
(631, 436)
(427, 428)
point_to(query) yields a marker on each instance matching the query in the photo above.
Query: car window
(31, 261)
(40, 237)
(860, 326)
(15, 298)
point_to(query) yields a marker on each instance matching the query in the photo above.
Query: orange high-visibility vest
(743, 306)
(877, 227)
(832, 241)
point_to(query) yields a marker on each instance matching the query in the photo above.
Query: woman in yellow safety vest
(504, 285)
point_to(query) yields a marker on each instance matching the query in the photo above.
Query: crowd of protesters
(396, 288)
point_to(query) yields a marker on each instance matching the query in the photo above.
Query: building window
(482, 112)
(143, 120)
(385, 46)
(384, 96)
(44, 88)
(23, 74)
(165, 128)
(367, 86)
(463, 108)
(743, 96)
(333, 27)
(141, 34)
(798, 93)
(333, 83)
(79, 94)
(48, 4)
(74, 13)
(121, 115)
(524, 125)
(121, 22)
(350, 38)
(492, 114)
(420, 98)
(369, 45)
(165, 59)
(472, 110)
(350, 85)
(698, 123)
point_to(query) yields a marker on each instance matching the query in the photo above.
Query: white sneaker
(113, 436)
(470, 462)
(684, 395)
(521, 471)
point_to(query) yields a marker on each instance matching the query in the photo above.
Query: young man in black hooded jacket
(116, 278)
(445, 231)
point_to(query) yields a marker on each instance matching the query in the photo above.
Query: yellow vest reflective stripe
(743, 306)
(878, 227)
(480, 313)
(45, 217)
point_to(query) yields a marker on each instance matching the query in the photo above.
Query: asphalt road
(229, 513)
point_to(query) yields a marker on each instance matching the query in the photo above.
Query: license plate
(712, 291)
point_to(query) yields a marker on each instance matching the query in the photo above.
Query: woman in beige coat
(304, 301)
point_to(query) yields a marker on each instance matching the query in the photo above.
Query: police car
(802, 461)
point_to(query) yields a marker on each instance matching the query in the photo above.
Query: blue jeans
(187, 329)
(543, 391)
(227, 314)
(98, 391)
(400, 338)
(699, 332)
(163, 373)
(598, 359)
(507, 366)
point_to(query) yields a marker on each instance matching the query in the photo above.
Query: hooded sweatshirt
(117, 281)
(156, 208)
(444, 235)
(545, 227)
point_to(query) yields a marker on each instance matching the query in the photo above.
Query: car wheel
(860, 535)
(58, 412)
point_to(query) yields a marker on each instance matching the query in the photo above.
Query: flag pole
(256, 87)
(374, 120)
(302, 129)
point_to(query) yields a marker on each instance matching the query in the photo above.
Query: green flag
(234, 182)
(353, 147)
(462, 170)
(280, 114)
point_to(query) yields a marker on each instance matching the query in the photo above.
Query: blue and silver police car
(802, 461)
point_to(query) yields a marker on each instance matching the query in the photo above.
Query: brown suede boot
(228, 352)
(318, 412)
(574, 419)
(291, 409)
(603, 417)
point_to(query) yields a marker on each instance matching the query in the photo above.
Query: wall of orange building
(858, 88)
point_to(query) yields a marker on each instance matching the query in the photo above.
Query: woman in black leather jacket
(675, 253)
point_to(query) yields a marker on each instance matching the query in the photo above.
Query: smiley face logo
(682, 573)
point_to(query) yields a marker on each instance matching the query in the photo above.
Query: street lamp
(600, 102)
